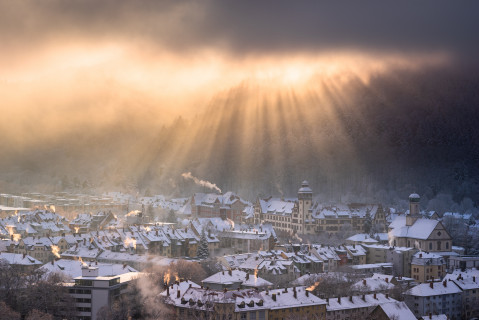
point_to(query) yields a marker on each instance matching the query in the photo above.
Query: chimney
(350, 298)
(474, 279)
(274, 296)
(167, 290)
(295, 294)
(307, 293)
(431, 284)
(230, 272)
(444, 283)
(364, 282)
(247, 276)
(375, 297)
(339, 300)
(52, 262)
(190, 285)
(420, 255)
(225, 290)
(177, 294)
(387, 280)
(387, 296)
(24, 255)
(364, 297)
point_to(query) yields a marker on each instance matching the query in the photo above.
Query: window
(447, 245)
(430, 245)
(261, 315)
(86, 283)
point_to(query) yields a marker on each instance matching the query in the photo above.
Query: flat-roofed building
(93, 292)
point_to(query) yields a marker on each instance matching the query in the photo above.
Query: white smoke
(199, 182)
(297, 237)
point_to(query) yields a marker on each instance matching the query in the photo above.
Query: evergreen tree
(171, 216)
(368, 223)
(150, 211)
(203, 251)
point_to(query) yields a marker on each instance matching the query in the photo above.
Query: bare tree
(38, 315)
(6, 313)
(48, 296)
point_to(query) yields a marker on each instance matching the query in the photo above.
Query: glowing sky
(171, 55)
(69, 67)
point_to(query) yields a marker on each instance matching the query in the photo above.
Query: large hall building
(302, 215)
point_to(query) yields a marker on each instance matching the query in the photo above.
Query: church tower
(413, 215)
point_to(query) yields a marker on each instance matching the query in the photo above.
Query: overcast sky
(246, 27)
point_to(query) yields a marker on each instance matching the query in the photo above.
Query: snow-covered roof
(414, 196)
(466, 274)
(435, 317)
(344, 211)
(325, 253)
(397, 310)
(457, 215)
(18, 259)
(278, 299)
(357, 250)
(73, 268)
(372, 284)
(438, 288)
(353, 302)
(467, 283)
(305, 188)
(362, 237)
(387, 247)
(421, 229)
(236, 276)
(276, 206)
(372, 265)
(315, 277)
(427, 258)
(181, 285)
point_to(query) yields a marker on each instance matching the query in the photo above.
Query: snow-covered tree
(203, 251)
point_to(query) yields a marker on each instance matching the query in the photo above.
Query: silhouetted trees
(31, 294)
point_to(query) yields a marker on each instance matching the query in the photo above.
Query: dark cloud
(252, 26)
